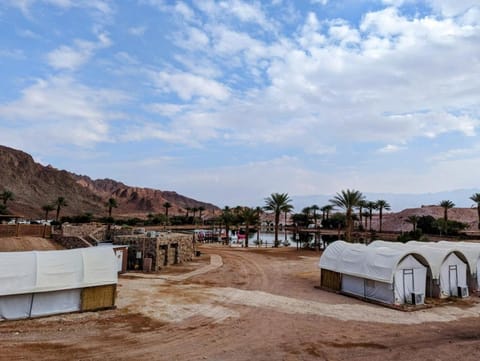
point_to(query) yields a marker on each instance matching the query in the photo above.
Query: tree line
(348, 201)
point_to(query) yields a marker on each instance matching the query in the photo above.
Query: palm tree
(277, 203)
(361, 205)
(188, 209)
(227, 218)
(47, 208)
(381, 205)
(315, 208)
(6, 196)
(259, 225)
(194, 210)
(287, 209)
(167, 206)
(413, 220)
(200, 210)
(347, 200)
(476, 198)
(446, 205)
(59, 203)
(326, 211)
(111, 203)
(371, 206)
(307, 211)
(249, 216)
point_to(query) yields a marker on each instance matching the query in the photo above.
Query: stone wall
(70, 242)
(164, 250)
(83, 230)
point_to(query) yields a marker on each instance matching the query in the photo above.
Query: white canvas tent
(471, 252)
(50, 282)
(382, 274)
(447, 265)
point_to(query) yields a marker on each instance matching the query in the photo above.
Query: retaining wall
(20, 230)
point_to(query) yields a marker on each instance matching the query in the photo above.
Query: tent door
(408, 285)
(453, 280)
(119, 255)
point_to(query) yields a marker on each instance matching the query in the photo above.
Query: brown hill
(35, 185)
(396, 222)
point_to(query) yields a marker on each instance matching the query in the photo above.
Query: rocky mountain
(396, 222)
(35, 185)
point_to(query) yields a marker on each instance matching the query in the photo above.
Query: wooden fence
(21, 230)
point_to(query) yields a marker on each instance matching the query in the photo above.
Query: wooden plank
(99, 297)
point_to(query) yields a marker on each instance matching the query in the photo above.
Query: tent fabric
(16, 307)
(453, 274)
(388, 275)
(469, 249)
(44, 271)
(435, 255)
(374, 263)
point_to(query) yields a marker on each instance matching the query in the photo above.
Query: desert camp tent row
(34, 284)
(397, 273)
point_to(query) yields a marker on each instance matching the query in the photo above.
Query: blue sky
(229, 101)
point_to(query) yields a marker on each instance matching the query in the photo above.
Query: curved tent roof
(31, 272)
(471, 252)
(435, 256)
(376, 263)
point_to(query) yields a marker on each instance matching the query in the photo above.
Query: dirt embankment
(256, 305)
(18, 244)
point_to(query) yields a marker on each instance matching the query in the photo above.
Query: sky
(229, 101)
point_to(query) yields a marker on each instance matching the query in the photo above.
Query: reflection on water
(265, 239)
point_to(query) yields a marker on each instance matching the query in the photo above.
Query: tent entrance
(453, 280)
(408, 285)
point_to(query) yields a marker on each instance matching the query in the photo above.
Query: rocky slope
(396, 222)
(35, 185)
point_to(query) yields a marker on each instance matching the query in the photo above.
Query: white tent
(447, 264)
(50, 282)
(472, 254)
(379, 273)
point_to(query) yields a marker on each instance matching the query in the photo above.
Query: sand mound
(18, 244)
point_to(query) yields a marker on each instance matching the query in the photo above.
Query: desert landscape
(239, 304)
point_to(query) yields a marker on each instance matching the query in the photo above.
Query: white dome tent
(472, 255)
(42, 283)
(448, 266)
(383, 274)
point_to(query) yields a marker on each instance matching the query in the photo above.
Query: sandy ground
(257, 304)
(10, 244)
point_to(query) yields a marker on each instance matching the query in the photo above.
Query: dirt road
(257, 304)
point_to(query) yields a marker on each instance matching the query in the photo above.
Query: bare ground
(26, 243)
(258, 304)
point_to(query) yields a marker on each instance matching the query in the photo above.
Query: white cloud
(73, 57)
(188, 86)
(101, 6)
(61, 111)
(165, 109)
(453, 7)
(391, 148)
(137, 30)
(12, 54)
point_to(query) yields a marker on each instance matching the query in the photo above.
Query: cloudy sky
(228, 101)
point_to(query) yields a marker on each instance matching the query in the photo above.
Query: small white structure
(387, 275)
(43, 283)
(472, 254)
(448, 266)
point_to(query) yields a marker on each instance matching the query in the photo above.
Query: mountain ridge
(35, 185)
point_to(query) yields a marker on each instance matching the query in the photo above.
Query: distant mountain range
(398, 201)
(35, 185)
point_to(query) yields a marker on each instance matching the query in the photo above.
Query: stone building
(158, 249)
